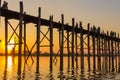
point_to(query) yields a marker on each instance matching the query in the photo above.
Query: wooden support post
(25, 37)
(6, 38)
(98, 49)
(88, 35)
(109, 51)
(118, 54)
(73, 20)
(82, 47)
(20, 38)
(102, 45)
(61, 43)
(112, 50)
(76, 47)
(115, 52)
(38, 40)
(105, 51)
(93, 42)
(51, 42)
(68, 50)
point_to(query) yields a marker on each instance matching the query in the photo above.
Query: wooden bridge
(98, 42)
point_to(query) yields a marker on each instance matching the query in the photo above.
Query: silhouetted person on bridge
(5, 5)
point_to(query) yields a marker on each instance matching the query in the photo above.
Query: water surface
(29, 71)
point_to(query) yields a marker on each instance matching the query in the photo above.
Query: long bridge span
(98, 42)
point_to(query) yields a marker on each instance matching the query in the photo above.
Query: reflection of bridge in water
(78, 40)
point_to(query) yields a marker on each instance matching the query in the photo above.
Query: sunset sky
(102, 13)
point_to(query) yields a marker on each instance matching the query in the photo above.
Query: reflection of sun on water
(10, 63)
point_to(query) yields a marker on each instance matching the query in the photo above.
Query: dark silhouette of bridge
(98, 42)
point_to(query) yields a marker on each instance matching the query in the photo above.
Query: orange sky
(102, 13)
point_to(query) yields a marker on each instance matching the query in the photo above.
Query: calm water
(10, 71)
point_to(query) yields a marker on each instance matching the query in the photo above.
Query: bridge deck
(33, 19)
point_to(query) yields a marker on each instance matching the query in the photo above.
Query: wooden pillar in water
(93, 42)
(38, 40)
(73, 42)
(88, 27)
(51, 42)
(115, 41)
(68, 50)
(76, 47)
(112, 50)
(61, 42)
(118, 54)
(109, 51)
(25, 37)
(105, 51)
(102, 48)
(6, 38)
(98, 49)
(20, 38)
(81, 47)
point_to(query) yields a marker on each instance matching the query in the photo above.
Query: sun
(11, 45)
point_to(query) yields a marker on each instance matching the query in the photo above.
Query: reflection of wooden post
(61, 42)
(73, 42)
(38, 40)
(20, 38)
(81, 49)
(6, 38)
(51, 41)
(5, 70)
(88, 45)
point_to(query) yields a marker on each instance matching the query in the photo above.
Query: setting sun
(11, 45)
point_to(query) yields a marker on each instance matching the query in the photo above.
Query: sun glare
(10, 46)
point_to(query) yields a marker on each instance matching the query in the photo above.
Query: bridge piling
(6, 38)
(25, 37)
(68, 48)
(72, 49)
(88, 39)
(118, 54)
(112, 50)
(93, 42)
(81, 47)
(20, 38)
(98, 49)
(76, 42)
(61, 38)
(38, 40)
(51, 42)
